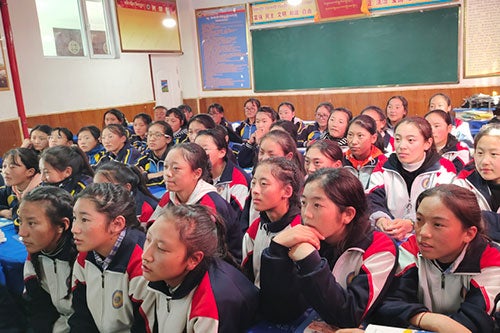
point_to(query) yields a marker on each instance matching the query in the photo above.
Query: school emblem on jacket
(117, 299)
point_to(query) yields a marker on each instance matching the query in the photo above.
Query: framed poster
(223, 48)
(481, 38)
(142, 29)
(4, 80)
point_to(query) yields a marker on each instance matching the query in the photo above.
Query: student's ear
(428, 144)
(128, 187)
(348, 214)
(374, 138)
(337, 164)
(197, 173)
(288, 191)
(30, 172)
(118, 224)
(66, 223)
(67, 172)
(194, 260)
(221, 153)
(470, 233)
(289, 156)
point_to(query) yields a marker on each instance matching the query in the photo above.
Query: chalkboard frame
(280, 63)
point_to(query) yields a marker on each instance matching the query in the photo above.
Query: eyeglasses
(156, 135)
(322, 115)
(211, 113)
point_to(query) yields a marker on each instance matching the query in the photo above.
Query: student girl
(334, 262)
(21, 174)
(286, 126)
(115, 141)
(362, 155)
(264, 118)
(45, 216)
(385, 142)
(115, 116)
(66, 167)
(286, 111)
(131, 178)
(279, 143)
(322, 154)
(188, 180)
(198, 123)
(338, 123)
(247, 127)
(216, 111)
(276, 185)
(140, 123)
(176, 119)
(159, 139)
(314, 132)
(39, 138)
(231, 181)
(413, 168)
(89, 140)
(447, 277)
(193, 286)
(60, 136)
(484, 178)
(460, 129)
(106, 233)
(395, 110)
(446, 144)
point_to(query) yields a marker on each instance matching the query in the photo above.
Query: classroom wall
(55, 85)
(190, 66)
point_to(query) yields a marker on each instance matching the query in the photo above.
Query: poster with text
(223, 47)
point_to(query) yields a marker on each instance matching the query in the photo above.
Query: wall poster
(223, 48)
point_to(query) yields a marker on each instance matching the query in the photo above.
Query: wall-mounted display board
(390, 4)
(141, 26)
(223, 47)
(273, 11)
(4, 81)
(482, 38)
(401, 49)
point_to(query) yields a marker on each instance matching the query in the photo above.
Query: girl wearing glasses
(313, 132)
(159, 139)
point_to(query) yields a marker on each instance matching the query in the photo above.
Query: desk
(12, 257)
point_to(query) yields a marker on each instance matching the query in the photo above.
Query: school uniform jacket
(363, 172)
(472, 180)
(456, 152)
(245, 129)
(258, 237)
(309, 133)
(153, 164)
(206, 194)
(461, 130)
(465, 291)
(343, 287)
(95, 154)
(233, 186)
(126, 155)
(180, 136)
(217, 299)
(233, 137)
(48, 295)
(74, 184)
(388, 192)
(103, 301)
(144, 206)
(9, 200)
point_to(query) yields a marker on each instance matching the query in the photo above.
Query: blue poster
(222, 38)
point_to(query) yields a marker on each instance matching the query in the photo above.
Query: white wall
(55, 85)
(190, 65)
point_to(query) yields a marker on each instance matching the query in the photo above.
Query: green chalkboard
(401, 49)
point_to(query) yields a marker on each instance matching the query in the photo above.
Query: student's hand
(399, 228)
(384, 224)
(299, 234)
(7, 213)
(26, 143)
(437, 322)
(259, 133)
(349, 330)
(300, 251)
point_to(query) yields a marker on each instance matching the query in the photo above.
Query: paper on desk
(387, 329)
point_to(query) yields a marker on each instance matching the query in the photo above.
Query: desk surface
(12, 257)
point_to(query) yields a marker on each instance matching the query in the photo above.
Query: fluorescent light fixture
(294, 2)
(169, 21)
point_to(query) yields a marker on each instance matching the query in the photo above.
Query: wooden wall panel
(305, 104)
(77, 119)
(11, 136)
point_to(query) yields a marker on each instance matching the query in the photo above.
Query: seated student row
(479, 142)
(334, 211)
